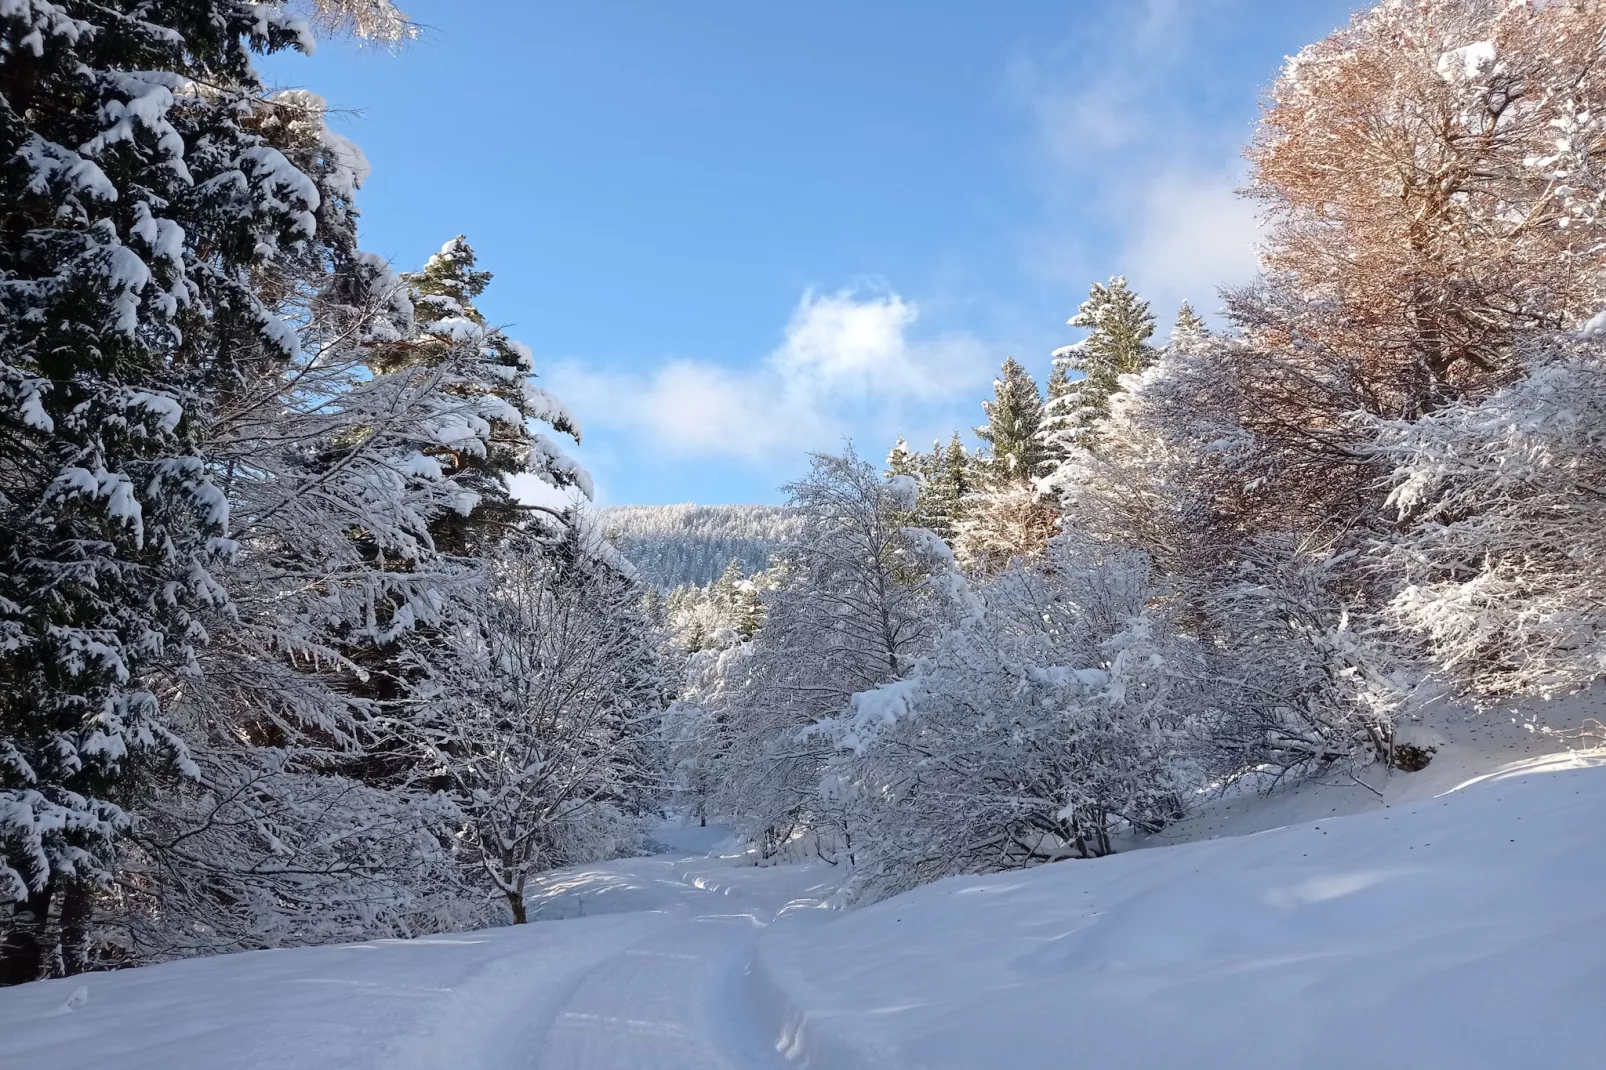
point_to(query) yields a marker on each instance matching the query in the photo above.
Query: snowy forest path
(650, 972)
(678, 998)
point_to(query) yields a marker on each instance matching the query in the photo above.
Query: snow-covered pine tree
(1054, 446)
(1119, 326)
(273, 840)
(1189, 328)
(1007, 517)
(903, 461)
(936, 499)
(953, 480)
(138, 206)
(736, 602)
(499, 376)
(1015, 453)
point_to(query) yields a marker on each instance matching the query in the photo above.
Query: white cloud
(847, 364)
(1194, 234)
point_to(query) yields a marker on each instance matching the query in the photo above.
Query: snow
(33, 407)
(1451, 926)
(1447, 926)
(905, 490)
(642, 976)
(1468, 61)
(164, 407)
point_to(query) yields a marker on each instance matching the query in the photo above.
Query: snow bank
(1460, 931)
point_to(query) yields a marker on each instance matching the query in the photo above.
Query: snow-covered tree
(1498, 563)
(1006, 517)
(953, 479)
(726, 611)
(546, 716)
(1431, 185)
(1053, 714)
(1300, 678)
(1119, 326)
(1296, 671)
(497, 384)
(208, 395)
(1014, 449)
(851, 607)
(1002, 523)
(139, 203)
(1189, 328)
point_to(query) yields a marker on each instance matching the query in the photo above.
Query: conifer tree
(499, 376)
(1054, 417)
(736, 601)
(140, 209)
(1120, 326)
(1189, 328)
(903, 461)
(1011, 430)
(953, 479)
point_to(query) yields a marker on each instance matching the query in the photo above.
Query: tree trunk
(77, 914)
(515, 902)
(23, 951)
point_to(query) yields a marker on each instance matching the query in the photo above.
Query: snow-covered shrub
(1296, 683)
(1500, 557)
(1053, 715)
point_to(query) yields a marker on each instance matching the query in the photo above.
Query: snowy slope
(1458, 929)
(1461, 931)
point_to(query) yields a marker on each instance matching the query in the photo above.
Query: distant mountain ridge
(671, 545)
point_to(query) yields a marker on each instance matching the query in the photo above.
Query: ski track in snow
(649, 972)
(674, 1001)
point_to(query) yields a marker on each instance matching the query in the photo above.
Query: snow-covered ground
(649, 971)
(1454, 920)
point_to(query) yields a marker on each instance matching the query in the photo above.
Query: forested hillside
(677, 545)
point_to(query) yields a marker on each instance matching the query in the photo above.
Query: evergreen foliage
(1015, 452)
(1119, 326)
(127, 302)
(1189, 328)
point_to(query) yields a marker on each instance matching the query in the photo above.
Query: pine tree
(953, 480)
(1190, 327)
(498, 379)
(1054, 418)
(736, 602)
(903, 461)
(141, 211)
(1013, 417)
(1120, 326)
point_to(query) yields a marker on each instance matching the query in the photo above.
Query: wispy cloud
(1122, 138)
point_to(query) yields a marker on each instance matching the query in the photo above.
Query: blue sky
(734, 232)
